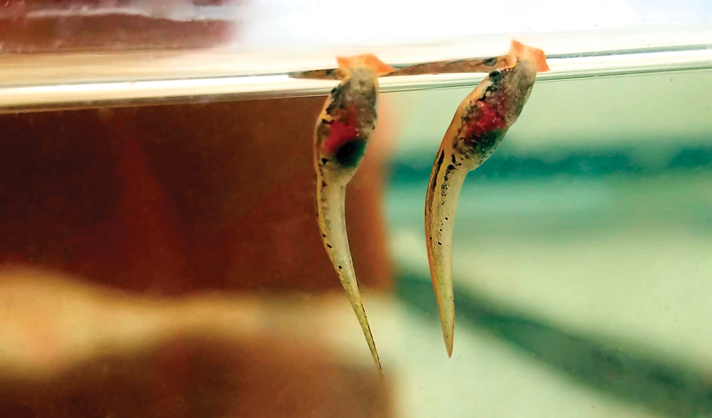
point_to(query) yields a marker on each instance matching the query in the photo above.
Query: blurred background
(162, 258)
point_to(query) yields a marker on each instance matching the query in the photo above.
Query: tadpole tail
(330, 207)
(444, 187)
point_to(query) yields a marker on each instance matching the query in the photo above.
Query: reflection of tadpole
(469, 65)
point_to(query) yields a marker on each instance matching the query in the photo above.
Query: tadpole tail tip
(372, 344)
(443, 192)
(375, 356)
(446, 309)
(439, 246)
(446, 302)
(348, 280)
(380, 367)
(332, 224)
(447, 322)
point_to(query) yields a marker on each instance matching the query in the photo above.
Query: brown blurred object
(172, 199)
(32, 26)
(201, 377)
(168, 201)
(79, 350)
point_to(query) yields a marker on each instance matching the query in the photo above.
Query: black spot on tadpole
(328, 245)
(323, 183)
(486, 144)
(490, 62)
(332, 106)
(495, 76)
(339, 267)
(453, 159)
(337, 96)
(446, 219)
(440, 243)
(323, 235)
(337, 91)
(351, 153)
(324, 160)
(433, 179)
(450, 167)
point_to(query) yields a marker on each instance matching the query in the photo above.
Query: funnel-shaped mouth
(531, 54)
(364, 60)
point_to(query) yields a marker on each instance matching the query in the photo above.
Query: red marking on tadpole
(341, 133)
(489, 119)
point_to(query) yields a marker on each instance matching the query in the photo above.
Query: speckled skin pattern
(341, 135)
(478, 127)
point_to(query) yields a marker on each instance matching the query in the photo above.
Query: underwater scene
(581, 257)
(246, 208)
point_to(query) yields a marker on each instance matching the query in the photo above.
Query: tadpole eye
(490, 62)
(496, 76)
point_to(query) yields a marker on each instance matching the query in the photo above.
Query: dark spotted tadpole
(479, 124)
(342, 132)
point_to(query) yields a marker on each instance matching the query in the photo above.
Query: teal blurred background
(582, 254)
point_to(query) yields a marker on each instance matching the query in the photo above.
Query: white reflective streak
(43, 92)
